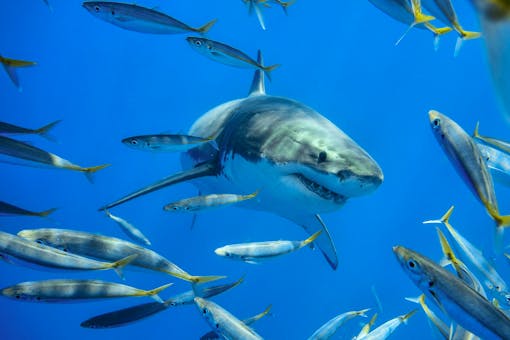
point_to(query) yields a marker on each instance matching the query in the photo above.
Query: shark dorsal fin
(257, 85)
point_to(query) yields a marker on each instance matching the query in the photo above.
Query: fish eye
(39, 241)
(436, 122)
(323, 156)
(198, 42)
(113, 12)
(134, 142)
(17, 296)
(204, 311)
(175, 208)
(412, 264)
(96, 8)
(172, 304)
(65, 250)
(217, 325)
(38, 298)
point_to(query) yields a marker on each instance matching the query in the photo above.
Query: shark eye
(323, 156)
(39, 241)
(436, 122)
(204, 311)
(217, 325)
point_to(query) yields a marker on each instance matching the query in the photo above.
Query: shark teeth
(320, 190)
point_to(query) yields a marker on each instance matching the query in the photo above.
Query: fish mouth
(321, 190)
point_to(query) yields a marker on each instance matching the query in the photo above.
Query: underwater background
(340, 58)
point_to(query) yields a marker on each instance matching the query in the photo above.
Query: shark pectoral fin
(202, 170)
(312, 224)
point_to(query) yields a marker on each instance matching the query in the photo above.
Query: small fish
(212, 335)
(140, 19)
(109, 249)
(10, 66)
(19, 250)
(468, 161)
(410, 14)
(387, 328)
(6, 128)
(199, 203)
(224, 323)
(171, 143)
(75, 291)
(476, 257)
(329, 329)
(459, 301)
(20, 150)
(9, 209)
(436, 321)
(444, 11)
(256, 251)
(130, 230)
(227, 55)
(129, 315)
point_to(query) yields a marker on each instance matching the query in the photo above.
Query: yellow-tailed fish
(165, 142)
(366, 327)
(387, 328)
(6, 128)
(227, 55)
(223, 322)
(410, 14)
(468, 162)
(212, 335)
(19, 150)
(130, 230)
(436, 321)
(140, 19)
(475, 256)
(17, 250)
(460, 302)
(75, 291)
(109, 249)
(256, 251)
(329, 329)
(10, 66)
(462, 271)
(9, 209)
(129, 315)
(199, 203)
(444, 11)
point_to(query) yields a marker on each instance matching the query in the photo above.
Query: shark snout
(356, 184)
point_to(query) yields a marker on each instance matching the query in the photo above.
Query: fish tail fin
(269, 69)
(45, 212)
(476, 134)
(204, 29)
(363, 312)
(44, 131)
(153, 293)
(438, 32)
(406, 317)
(204, 279)
(250, 196)
(417, 299)
(502, 221)
(463, 36)
(119, 265)
(310, 239)
(286, 5)
(445, 219)
(89, 172)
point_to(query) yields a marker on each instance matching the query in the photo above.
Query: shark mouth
(320, 190)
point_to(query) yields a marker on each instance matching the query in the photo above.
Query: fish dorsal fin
(257, 85)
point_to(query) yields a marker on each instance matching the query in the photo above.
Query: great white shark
(301, 164)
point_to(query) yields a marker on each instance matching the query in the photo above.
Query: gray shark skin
(300, 162)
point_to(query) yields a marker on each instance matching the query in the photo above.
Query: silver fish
(19, 250)
(130, 230)
(10, 209)
(75, 290)
(10, 66)
(140, 19)
(387, 328)
(109, 249)
(171, 143)
(43, 131)
(329, 329)
(27, 152)
(256, 251)
(227, 55)
(224, 323)
(212, 335)
(460, 302)
(129, 315)
(206, 202)
(468, 162)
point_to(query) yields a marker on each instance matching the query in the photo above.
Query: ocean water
(338, 57)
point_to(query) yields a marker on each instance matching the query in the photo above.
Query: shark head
(302, 150)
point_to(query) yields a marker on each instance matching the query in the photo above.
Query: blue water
(338, 57)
